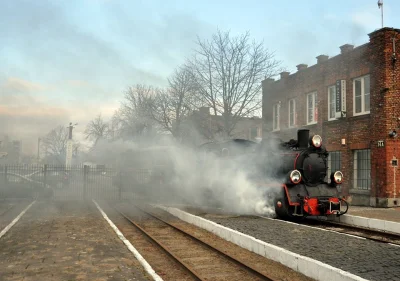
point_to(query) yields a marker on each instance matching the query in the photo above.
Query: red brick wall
(386, 100)
(359, 132)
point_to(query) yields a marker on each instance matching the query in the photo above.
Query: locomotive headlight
(316, 141)
(337, 177)
(295, 176)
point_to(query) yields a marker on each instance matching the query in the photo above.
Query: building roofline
(316, 64)
(384, 29)
(273, 81)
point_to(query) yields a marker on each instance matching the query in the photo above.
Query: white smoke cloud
(234, 184)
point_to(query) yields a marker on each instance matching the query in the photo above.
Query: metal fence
(61, 182)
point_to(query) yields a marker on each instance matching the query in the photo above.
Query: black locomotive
(305, 190)
(295, 172)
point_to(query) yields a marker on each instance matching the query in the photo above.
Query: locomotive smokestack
(302, 138)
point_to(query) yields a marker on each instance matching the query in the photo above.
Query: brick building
(353, 101)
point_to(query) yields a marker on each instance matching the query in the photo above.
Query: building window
(362, 169)
(292, 113)
(276, 116)
(331, 102)
(312, 111)
(361, 90)
(334, 162)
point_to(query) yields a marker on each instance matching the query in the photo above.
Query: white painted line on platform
(351, 235)
(317, 228)
(394, 245)
(305, 265)
(7, 228)
(138, 256)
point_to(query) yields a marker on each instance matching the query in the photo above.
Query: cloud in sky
(103, 44)
(26, 113)
(63, 61)
(20, 85)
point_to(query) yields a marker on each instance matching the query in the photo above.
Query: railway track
(200, 260)
(357, 231)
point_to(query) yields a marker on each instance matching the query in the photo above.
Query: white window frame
(329, 162)
(315, 109)
(294, 113)
(362, 79)
(355, 170)
(329, 102)
(276, 114)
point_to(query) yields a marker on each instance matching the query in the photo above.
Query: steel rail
(241, 264)
(365, 232)
(190, 270)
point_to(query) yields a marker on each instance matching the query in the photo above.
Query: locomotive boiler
(305, 190)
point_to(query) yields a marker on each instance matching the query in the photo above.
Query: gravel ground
(368, 259)
(65, 241)
(4, 206)
(9, 209)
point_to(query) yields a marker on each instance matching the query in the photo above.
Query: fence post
(85, 178)
(45, 175)
(120, 186)
(5, 175)
(4, 188)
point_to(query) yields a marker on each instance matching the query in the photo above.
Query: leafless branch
(172, 106)
(54, 144)
(96, 130)
(228, 72)
(133, 118)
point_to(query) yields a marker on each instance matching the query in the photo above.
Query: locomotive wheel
(284, 211)
(282, 208)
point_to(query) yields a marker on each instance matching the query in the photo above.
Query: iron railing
(61, 182)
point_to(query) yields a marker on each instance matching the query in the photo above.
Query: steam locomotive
(293, 172)
(305, 191)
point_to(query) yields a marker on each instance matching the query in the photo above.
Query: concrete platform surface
(363, 258)
(389, 214)
(65, 241)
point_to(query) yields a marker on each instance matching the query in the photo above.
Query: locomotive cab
(305, 191)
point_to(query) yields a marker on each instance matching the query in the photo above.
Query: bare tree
(114, 127)
(171, 106)
(54, 145)
(228, 71)
(96, 129)
(133, 119)
(55, 142)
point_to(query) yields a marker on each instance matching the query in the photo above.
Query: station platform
(387, 214)
(63, 241)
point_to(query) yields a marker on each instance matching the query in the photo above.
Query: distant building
(204, 127)
(353, 101)
(10, 151)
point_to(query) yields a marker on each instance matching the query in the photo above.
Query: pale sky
(67, 61)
